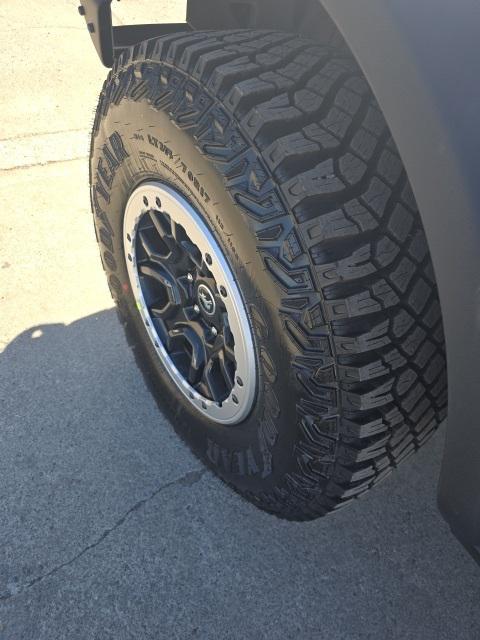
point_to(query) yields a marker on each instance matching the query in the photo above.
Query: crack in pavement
(41, 134)
(188, 479)
(43, 148)
(40, 164)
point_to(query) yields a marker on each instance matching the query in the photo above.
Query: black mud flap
(109, 41)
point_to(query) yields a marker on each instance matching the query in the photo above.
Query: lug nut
(196, 308)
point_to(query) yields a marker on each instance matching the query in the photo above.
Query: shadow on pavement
(110, 529)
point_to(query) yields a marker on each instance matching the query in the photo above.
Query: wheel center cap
(206, 300)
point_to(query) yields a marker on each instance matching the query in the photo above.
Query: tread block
(400, 223)
(352, 169)
(226, 74)
(276, 111)
(419, 296)
(348, 101)
(288, 148)
(390, 167)
(378, 298)
(372, 399)
(352, 220)
(244, 94)
(319, 181)
(363, 144)
(374, 339)
(376, 197)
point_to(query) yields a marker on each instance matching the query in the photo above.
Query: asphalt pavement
(109, 527)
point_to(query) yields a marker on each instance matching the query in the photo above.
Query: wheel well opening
(306, 17)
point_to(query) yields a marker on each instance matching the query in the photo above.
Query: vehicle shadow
(102, 505)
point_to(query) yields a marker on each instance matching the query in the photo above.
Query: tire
(279, 145)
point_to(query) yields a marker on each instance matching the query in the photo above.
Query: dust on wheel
(269, 264)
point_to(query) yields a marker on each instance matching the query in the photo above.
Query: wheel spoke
(167, 231)
(228, 341)
(163, 333)
(198, 355)
(175, 231)
(162, 226)
(193, 253)
(176, 315)
(215, 387)
(226, 370)
(165, 279)
(152, 253)
(167, 310)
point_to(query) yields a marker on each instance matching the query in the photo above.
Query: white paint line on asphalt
(43, 149)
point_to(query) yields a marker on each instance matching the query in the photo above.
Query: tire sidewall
(148, 145)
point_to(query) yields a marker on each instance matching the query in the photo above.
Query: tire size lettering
(155, 142)
(193, 180)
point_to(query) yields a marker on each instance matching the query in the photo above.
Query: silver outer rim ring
(240, 401)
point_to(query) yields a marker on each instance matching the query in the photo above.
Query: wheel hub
(190, 303)
(206, 300)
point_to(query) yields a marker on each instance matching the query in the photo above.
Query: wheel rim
(190, 303)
